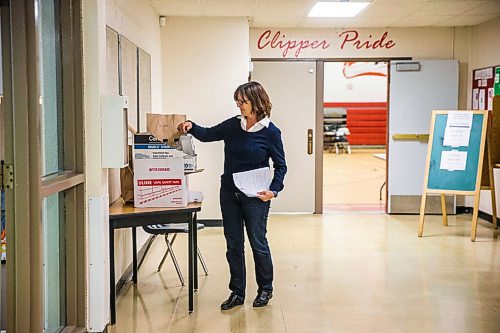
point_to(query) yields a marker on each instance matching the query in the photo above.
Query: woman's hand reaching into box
(184, 127)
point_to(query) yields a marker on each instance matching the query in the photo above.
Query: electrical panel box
(114, 131)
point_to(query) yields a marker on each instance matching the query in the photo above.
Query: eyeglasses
(241, 101)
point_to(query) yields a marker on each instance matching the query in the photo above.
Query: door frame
(318, 136)
(21, 103)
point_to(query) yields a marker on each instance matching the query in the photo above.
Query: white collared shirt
(264, 122)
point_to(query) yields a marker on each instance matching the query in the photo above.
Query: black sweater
(244, 151)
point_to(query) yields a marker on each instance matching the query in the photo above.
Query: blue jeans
(238, 211)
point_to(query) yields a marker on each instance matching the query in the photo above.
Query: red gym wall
(367, 121)
(356, 97)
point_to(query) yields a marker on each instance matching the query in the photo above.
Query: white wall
(485, 44)
(94, 62)
(189, 57)
(484, 52)
(423, 43)
(2, 144)
(339, 88)
(204, 60)
(138, 22)
(419, 43)
(461, 52)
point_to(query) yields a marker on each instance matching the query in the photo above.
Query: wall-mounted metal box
(114, 131)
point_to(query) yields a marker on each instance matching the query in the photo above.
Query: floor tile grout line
(283, 316)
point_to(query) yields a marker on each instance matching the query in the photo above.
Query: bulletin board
(495, 131)
(112, 88)
(144, 89)
(127, 60)
(128, 73)
(457, 180)
(484, 81)
(447, 177)
(112, 67)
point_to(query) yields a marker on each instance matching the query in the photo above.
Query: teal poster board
(457, 180)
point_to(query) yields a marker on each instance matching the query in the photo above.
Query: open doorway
(355, 136)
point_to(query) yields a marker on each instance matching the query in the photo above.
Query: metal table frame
(123, 215)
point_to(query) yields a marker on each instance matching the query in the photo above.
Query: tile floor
(353, 272)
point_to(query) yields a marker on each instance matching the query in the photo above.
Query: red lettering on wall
(275, 43)
(280, 41)
(351, 37)
(265, 35)
(348, 38)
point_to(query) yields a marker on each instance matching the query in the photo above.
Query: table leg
(380, 192)
(112, 286)
(195, 249)
(190, 259)
(134, 255)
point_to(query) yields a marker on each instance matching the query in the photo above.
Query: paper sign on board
(453, 160)
(458, 128)
(475, 99)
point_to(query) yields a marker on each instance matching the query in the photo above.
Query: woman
(249, 141)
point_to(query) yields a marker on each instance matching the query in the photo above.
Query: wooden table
(123, 215)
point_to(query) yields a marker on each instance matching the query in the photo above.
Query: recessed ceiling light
(337, 9)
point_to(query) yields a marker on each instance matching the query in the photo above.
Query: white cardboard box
(195, 196)
(159, 179)
(189, 162)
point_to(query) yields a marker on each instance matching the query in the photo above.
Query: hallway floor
(333, 273)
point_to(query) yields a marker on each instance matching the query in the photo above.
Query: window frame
(21, 78)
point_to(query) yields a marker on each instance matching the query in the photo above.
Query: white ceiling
(381, 13)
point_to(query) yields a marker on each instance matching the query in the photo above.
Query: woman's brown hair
(257, 95)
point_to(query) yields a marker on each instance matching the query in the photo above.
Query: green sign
(497, 82)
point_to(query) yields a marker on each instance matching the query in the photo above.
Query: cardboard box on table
(159, 179)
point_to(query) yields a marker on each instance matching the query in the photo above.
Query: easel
(453, 186)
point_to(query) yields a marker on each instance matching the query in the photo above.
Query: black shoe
(231, 302)
(262, 298)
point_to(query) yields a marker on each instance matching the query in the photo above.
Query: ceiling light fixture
(337, 9)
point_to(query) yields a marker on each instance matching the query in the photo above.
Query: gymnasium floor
(352, 182)
(350, 271)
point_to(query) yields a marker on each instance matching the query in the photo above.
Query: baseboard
(485, 216)
(463, 210)
(127, 275)
(481, 214)
(211, 222)
(72, 329)
(410, 204)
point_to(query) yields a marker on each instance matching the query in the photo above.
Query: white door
(292, 89)
(413, 97)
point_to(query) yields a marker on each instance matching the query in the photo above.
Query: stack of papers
(457, 131)
(456, 134)
(253, 181)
